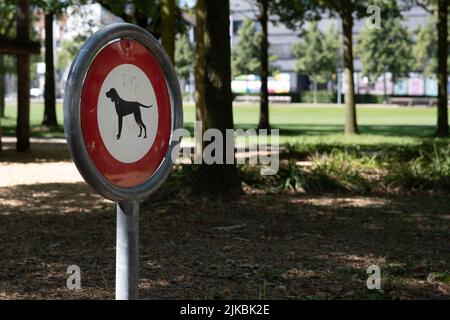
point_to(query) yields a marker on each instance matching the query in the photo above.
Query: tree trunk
(200, 67)
(49, 90)
(2, 96)
(218, 180)
(384, 88)
(351, 126)
(2, 86)
(315, 91)
(264, 103)
(168, 27)
(442, 74)
(23, 80)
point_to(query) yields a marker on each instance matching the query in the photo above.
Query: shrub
(323, 96)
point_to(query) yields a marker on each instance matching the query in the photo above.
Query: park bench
(413, 101)
(255, 99)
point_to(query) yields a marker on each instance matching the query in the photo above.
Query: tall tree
(51, 9)
(346, 9)
(425, 48)
(49, 88)
(144, 13)
(23, 79)
(184, 57)
(264, 73)
(317, 54)
(392, 47)
(439, 8)
(442, 26)
(218, 179)
(246, 54)
(200, 67)
(2, 86)
(168, 27)
(7, 15)
(148, 14)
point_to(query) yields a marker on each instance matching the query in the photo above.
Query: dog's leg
(145, 129)
(140, 123)
(120, 128)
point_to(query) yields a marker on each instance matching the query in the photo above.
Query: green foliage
(246, 55)
(144, 13)
(7, 29)
(385, 50)
(293, 13)
(184, 56)
(55, 7)
(68, 50)
(430, 170)
(291, 177)
(7, 18)
(338, 168)
(317, 53)
(425, 48)
(342, 167)
(388, 8)
(323, 96)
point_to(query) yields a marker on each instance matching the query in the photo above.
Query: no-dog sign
(121, 106)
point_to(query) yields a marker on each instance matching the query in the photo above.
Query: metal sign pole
(98, 154)
(127, 250)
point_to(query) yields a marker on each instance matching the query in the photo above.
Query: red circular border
(121, 174)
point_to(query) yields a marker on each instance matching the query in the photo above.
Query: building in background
(282, 38)
(86, 19)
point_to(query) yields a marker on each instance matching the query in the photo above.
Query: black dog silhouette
(124, 108)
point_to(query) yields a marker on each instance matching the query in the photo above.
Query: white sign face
(127, 113)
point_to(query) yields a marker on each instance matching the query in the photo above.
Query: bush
(344, 169)
(337, 168)
(429, 171)
(323, 96)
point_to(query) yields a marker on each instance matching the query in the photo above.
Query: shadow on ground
(44, 151)
(281, 246)
(294, 130)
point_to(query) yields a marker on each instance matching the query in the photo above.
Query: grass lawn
(337, 205)
(297, 123)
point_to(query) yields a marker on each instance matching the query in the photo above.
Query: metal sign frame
(127, 240)
(72, 116)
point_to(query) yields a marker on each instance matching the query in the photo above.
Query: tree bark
(168, 27)
(49, 90)
(218, 180)
(2, 86)
(200, 67)
(2, 96)
(315, 91)
(264, 94)
(351, 126)
(23, 80)
(442, 74)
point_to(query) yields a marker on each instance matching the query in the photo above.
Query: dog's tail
(144, 106)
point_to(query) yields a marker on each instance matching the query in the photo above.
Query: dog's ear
(113, 95)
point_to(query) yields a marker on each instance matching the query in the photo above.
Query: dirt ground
(264, 246)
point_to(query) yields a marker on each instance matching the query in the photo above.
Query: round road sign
(122, 103)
